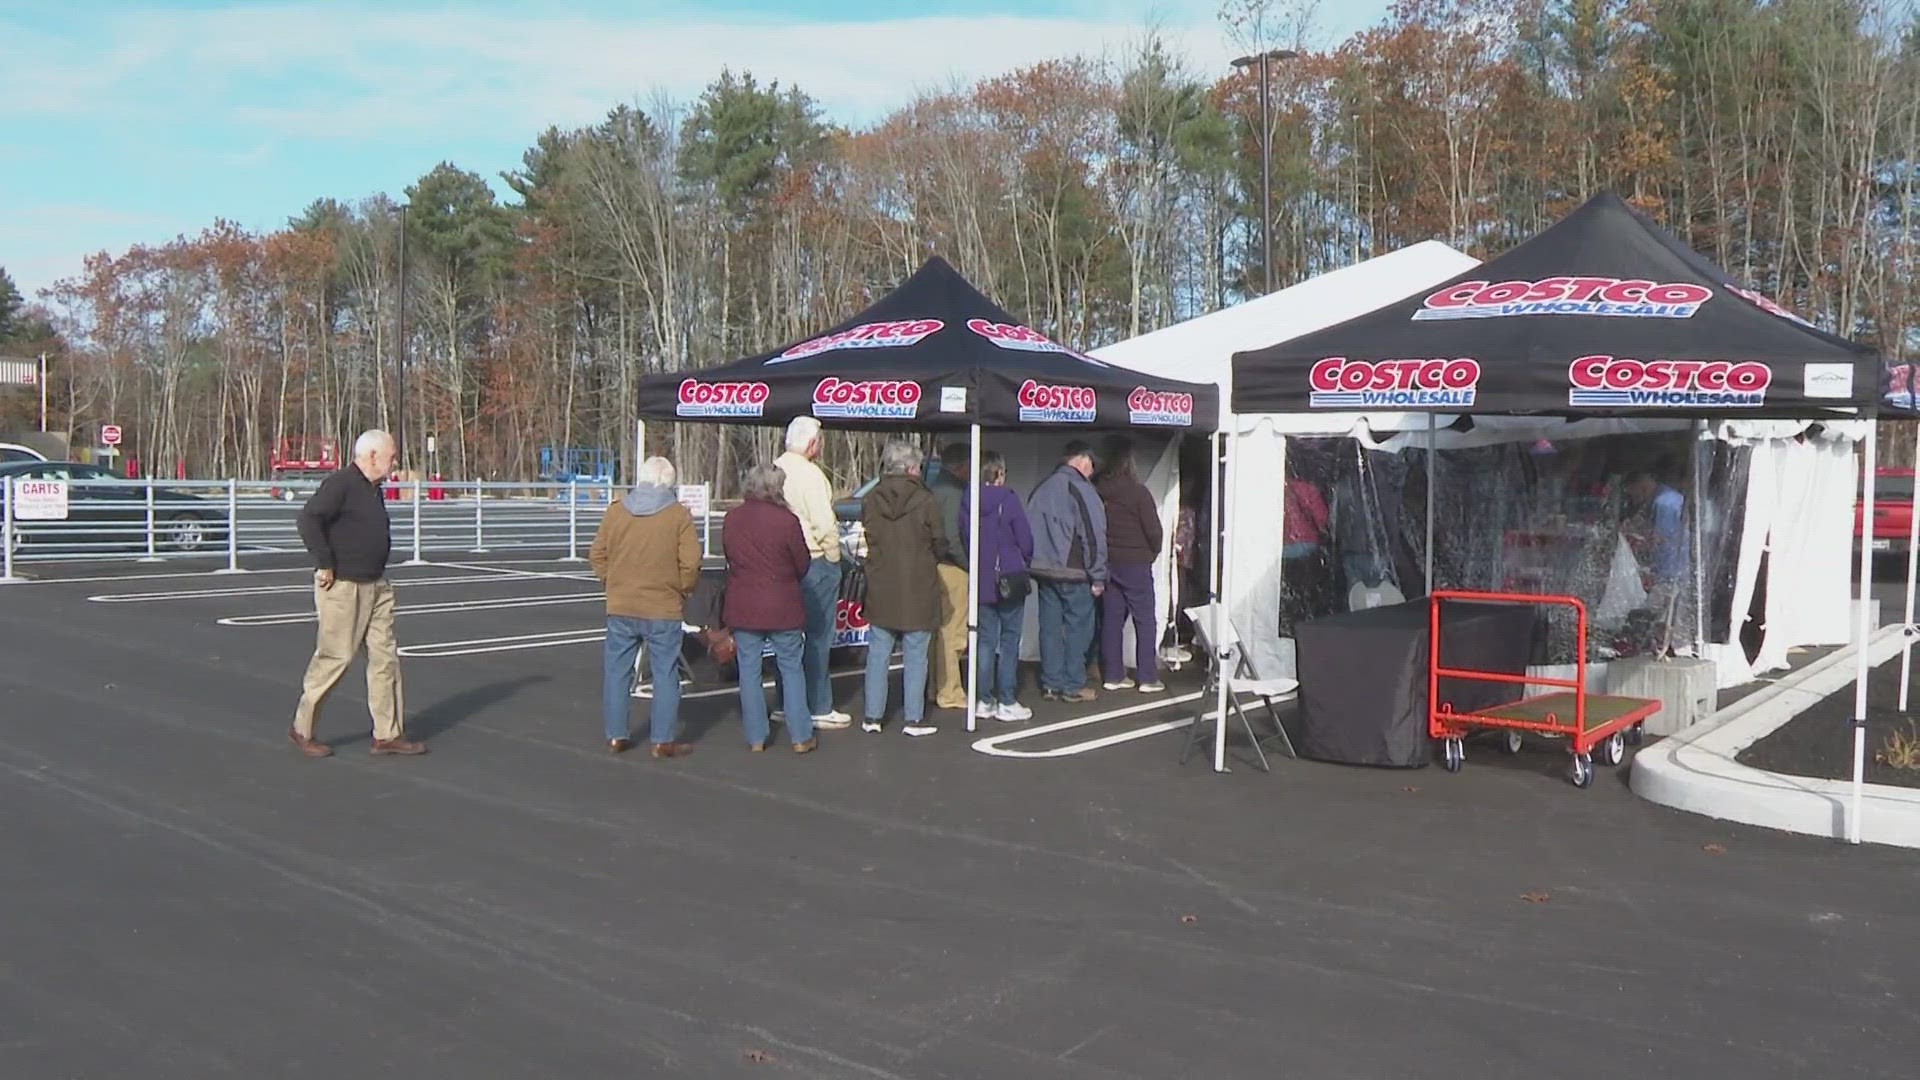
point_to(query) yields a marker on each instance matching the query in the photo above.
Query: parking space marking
(645, 690)
(476, 646)
(270, 590)
(996, 745)
(295, 618)
(161, 577)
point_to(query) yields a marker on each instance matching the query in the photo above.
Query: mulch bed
(1819, 742)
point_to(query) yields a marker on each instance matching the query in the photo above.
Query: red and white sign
(1619, 382)
(1048, 404)
(874, 399)
(1021, 338)
(1146, 406)
(879, 335)
(109, 434)
(1428, 383)
(39, 500)
(850, 626)
(1766, 304)
(1617, 297)
(699, 398)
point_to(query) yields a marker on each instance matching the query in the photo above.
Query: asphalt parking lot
(188, 897)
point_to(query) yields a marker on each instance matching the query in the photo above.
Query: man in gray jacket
(1069, 569)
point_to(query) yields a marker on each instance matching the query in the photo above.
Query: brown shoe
(954, 703)
(619, 746)
(672, 749)
(401, 746)
(1085, 693)
(807, 747)
(757, 748)
(310, 747)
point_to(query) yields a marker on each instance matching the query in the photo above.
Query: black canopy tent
(1603, 314)
(933, 354)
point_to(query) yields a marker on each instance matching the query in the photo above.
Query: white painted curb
(1695, 770)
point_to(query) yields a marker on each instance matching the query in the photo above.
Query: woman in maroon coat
(766, 558)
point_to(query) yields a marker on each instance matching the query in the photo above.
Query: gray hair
(369, 441)
(993, 466)
(766, 482)
(801, 433)
(901, 458)
(658, 470)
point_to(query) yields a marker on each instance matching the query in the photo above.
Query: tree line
(1097, 198)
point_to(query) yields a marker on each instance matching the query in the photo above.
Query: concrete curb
(1695, 770)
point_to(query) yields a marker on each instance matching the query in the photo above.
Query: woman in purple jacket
(1006, 546)
(766, 558)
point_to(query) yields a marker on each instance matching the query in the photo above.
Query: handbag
(1009, 587)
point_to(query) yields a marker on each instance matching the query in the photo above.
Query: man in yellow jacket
(648, 556)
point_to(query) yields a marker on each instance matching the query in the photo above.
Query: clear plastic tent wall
(1644, 529)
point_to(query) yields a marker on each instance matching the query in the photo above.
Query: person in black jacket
(346, 530)
(1134, 535)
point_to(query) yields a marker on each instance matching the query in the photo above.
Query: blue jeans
(913, 644)
(624, 637)
(787, 647)
(998, 675)
(820, 599)
(1066, 634)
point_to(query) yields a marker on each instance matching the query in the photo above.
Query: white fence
(165, 520)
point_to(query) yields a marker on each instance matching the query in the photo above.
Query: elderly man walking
(648, 556)
(347, 532)
(1070, 568)
(950, 641)
(905, 543)
(810, 497)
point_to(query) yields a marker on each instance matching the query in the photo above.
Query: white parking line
(294, 618)
(475, 646)
(644, 690)
(162, 577)
(270, 590)
(994, 745)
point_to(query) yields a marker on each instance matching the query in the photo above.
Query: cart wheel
(1513, 741)
(1453, 754)
(1582, 775)
(1614, 750)
(1637, 734)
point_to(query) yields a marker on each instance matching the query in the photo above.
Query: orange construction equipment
(1592, 720)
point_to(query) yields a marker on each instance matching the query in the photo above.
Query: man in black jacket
(346, 530)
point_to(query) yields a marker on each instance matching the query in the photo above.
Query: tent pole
(1864, 628)
(1699, 499)
(1433, 460)
(973, 583)
(1913, 571)
(1224, 663)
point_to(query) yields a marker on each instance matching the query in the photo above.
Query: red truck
(306, 461)
(1892, 510)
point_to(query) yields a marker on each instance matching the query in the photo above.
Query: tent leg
(1913, 571)
(973, 579)
(1699, 499)
(1865, 629)
(1433, 461)
(1224, 659)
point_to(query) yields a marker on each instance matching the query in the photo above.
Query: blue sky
(129, 123)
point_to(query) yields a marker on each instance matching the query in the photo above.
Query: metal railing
(226, 520)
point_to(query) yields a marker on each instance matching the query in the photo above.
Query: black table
(1363, 676)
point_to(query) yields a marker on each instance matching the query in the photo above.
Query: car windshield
(1893, 489)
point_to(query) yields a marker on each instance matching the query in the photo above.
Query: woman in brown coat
(766, 558)
(905, 543)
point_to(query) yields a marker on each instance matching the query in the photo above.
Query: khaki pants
(354, 614)
(949, 691)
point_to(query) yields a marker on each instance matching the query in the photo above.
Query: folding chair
(1241, 678)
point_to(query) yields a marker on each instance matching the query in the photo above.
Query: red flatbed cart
(1591, 720)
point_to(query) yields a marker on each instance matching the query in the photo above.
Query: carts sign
(699, 398)
(1618, 382)
(1617, 297)
(1047, 404)
(1339, 383)
(39, 500)
(877, 399)
(879, 335)
(1146, 406)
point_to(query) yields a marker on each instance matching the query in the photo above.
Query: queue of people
(1084, 542)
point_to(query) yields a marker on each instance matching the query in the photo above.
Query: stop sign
(110, 434)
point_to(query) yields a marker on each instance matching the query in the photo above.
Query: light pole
(1266, 154)
(400, 350)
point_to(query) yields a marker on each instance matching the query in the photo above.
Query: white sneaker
(1153, 688)
(871, 727)
(919, 729)
(1013, 712)
(986, 710)
(779, 716)
(833, 721)
(1123, 684)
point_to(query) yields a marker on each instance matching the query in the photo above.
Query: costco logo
(850, 627)
(872, 400)
(1046, 404)
(1618, 297)
(722, 398)
(1766, 304)
(1146, 406)
(1617, 382)
(880, 335)
(1340, 383)
(1022, 338)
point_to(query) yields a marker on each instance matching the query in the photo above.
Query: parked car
(848, 509)
(1892, 510)
(12, 452)
(106, 510)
